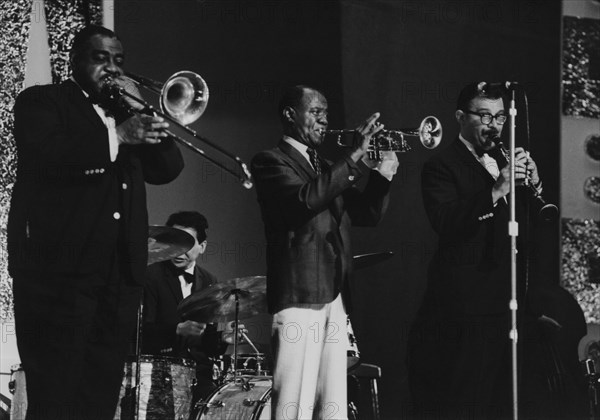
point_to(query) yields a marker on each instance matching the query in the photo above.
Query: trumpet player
(308, 205)
(465, 314)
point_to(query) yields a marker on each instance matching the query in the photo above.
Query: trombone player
(78, 230)
(308, 205)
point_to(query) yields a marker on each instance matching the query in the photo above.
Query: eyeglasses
(486, 117)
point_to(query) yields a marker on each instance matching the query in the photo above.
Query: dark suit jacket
(73, 210)
(470, 272)
(307, 222)
(162, 295)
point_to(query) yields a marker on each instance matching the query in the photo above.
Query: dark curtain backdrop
(406, 59)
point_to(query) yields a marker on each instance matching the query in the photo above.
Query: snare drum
(18, 387)
(165, 391)
(248, 398)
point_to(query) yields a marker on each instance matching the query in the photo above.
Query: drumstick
(249, 342)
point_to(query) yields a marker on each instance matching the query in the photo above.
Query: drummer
(168, 283)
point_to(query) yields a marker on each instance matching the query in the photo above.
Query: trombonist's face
(474, 130)
(309, 119)
(102, 59)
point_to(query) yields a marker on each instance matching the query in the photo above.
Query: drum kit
(243, 379)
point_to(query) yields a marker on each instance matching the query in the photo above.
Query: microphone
(486, 86)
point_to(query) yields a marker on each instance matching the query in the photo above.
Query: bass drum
(248, 398)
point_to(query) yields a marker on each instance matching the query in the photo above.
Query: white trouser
(309, 378)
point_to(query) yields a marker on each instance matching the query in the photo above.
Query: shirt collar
(470, 147)
(301, 147)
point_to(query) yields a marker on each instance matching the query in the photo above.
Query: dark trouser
(73, 333)
(460, 367)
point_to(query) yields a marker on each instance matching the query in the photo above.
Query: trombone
(183, 99)
(429, 133)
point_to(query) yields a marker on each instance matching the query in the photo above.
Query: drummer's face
(188, 259)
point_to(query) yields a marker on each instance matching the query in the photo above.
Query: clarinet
(548, 210)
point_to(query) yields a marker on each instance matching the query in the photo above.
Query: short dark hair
(190, 219)
(292, 97)
(476, 90)
(82, 38)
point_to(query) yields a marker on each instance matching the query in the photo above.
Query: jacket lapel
(297, 161)
(201, 281)
(303, 167)
(467, 157)
(173, 282)
(83, 104)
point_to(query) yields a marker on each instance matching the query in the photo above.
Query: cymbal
(217, 302)
(166, 242)
(367, 260)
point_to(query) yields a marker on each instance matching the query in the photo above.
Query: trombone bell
(184, 96)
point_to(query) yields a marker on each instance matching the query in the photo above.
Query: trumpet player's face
(309, 119)
(102, 60)
(481, 135)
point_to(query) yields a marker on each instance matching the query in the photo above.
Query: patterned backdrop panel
(581, 264)
(64, 19)
(581, 67)
(15, 23)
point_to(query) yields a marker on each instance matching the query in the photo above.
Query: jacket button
(351, 178)
(124, 186)
(117, 215)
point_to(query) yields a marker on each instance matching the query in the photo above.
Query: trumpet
(183, 99)
(429, 133)
(547, 210)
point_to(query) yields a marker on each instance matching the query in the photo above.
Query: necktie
(314, 160)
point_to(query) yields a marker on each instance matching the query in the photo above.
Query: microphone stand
(513, 232)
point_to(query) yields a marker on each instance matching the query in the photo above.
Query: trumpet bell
(184, 96)
(430, 132)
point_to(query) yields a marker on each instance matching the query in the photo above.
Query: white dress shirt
(109, 122)
(186, 288)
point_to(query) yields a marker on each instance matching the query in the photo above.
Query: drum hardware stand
(593, 389)
(236, 293)
(236, 332)
(138, 361)
(259, 358)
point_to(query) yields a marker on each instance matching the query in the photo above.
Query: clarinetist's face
(474, 130)
(309, 119)
(101, 60)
